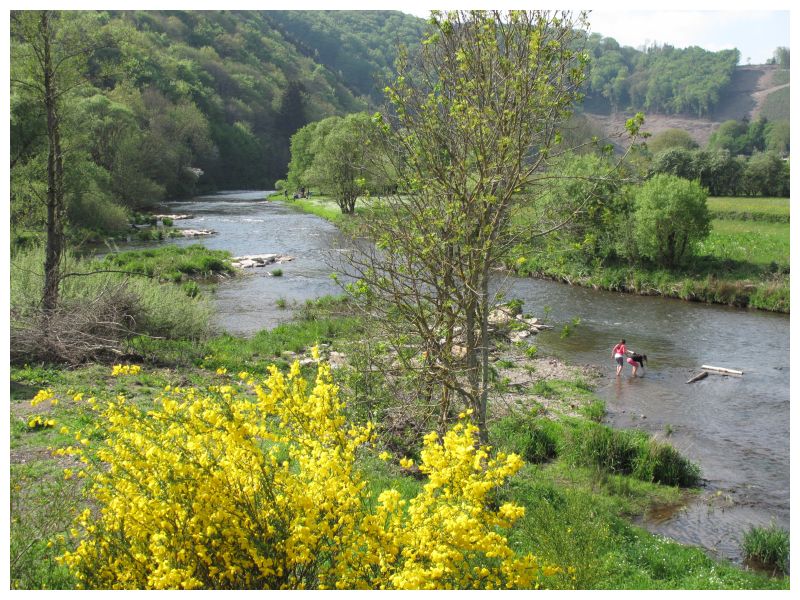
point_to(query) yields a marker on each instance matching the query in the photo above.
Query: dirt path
(761, 97)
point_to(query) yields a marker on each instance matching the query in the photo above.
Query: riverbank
(579, 501)
(744, 262)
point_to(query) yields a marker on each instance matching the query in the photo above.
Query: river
(735, 428)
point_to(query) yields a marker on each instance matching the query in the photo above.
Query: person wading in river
(618, 354)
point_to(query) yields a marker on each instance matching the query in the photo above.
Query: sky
(711, 24)
(755, 33)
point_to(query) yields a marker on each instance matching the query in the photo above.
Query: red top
(619, 349)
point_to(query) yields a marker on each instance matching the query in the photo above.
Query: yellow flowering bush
(447, 537)
(225, 489)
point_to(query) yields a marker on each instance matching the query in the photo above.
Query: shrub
(98, 214)
(671, 216)
(535, 439)
(671, 138)
(768, 545)
(215, 489)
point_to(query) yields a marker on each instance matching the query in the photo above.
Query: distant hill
(754, 91)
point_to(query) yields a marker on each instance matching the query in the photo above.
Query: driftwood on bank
(698, 377)
(721, 370)
(715, 370)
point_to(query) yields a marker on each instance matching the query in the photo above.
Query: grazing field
(757, 243)
(750, 209)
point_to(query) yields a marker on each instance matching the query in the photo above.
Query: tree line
(661, 79)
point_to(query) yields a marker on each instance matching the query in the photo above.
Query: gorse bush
(249, 485)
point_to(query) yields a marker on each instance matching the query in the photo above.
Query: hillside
(218, 91)
(175, 102)
(754, 91)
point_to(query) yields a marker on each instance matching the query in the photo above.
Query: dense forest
(161, 104)
(660, 79)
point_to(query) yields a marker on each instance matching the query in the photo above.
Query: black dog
(639, 358)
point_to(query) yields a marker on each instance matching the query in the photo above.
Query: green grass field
(776, 105)
(750, 209)
(753, 242)
(781, 77)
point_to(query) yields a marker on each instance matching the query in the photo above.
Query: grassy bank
(320, 205)
(744, 262)
(581, 483)
(102, 304)
(172, 263)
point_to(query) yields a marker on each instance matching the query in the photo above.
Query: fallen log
(721, 370)
(698, 377)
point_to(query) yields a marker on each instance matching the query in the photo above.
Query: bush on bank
(585, 443)
(220, 490)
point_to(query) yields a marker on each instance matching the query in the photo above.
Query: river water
(735, 428)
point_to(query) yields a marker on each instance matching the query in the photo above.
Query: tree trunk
(484, 349)
(472, 359)
(55, 178)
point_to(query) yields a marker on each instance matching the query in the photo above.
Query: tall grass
(586, 443)
(769, 546)
(156, 309)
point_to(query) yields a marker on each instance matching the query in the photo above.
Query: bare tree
(474, 120)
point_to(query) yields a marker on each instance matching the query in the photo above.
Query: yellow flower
(118, 370)
(406, 463)
(222, 371)
(41, 396)
(384, 455)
